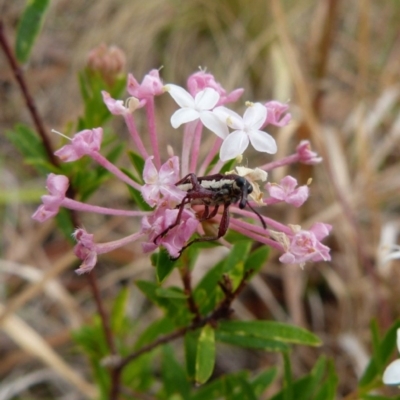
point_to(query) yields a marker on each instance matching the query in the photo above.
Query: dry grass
(338, 63)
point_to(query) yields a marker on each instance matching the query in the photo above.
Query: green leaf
(64, 222)
(234, 263)
(288, 378)
(271, 330)
(251, 342)
(119, 310)
(207, 293)
(172, 293)
(327, 391)
(31, 147)
(191, 343)
(205, 357)
(176, 308)
(174, 377)
(238, 388)
(138, 163)
(263, 380)
(163, 263)
(381, 355)
(29, 27)
(163, 326)
(256, 259)
(138, 374)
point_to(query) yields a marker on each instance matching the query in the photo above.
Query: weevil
(213, 191)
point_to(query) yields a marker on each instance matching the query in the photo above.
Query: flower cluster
(173, 219)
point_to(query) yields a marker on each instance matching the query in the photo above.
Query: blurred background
(336, 62)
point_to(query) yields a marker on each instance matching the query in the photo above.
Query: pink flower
(57, 185)
(83, 143)
(201, 80)
(85, 249)
(176, 238)
(286, 191)
(306, 246)
(151, 85)
(306, 156)
(275, 109)
(162, 183)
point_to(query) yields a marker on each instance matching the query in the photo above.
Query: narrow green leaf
(119, 310)
(30, 145)
(64, 222)
(163, 263)
(327, 391)
(263, 380)
(174, 377)
(256, 259)
(138, 163)
(172, 293)
(384, 350)
(271, 330)
(204, 293)
(205, 358)
(251, 342)
(191, 343)
(160, 327)
(234, 263)
(29, 27)
(238, 388)
(288, 378)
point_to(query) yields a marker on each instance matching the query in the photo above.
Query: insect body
(213, 191)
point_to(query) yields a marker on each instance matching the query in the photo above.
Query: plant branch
(19, 77)
(187, 285)
(223, 311)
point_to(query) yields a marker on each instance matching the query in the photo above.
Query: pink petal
(116, 107)
(150, 173)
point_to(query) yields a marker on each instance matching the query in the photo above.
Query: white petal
(182, 116)
(229, 117)
(255, 116)
(180, 95)
(214, 124)
(206, 99)
(236, 143)
(398, 340)
(391, 376)
(262, 141)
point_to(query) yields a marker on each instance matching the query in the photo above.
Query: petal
(236, 143)
(254, 116)
(214, 124)
(206, 99)
(169, 171)
(150, 173)
(229, 117)
(262, 141)
(398, 340)
(180, 95)
(182, 116)
(391, 376)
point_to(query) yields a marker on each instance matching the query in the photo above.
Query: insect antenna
(258, 215)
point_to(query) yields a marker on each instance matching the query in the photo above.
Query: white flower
(198, 107)
(391, 376)
(245, 130)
